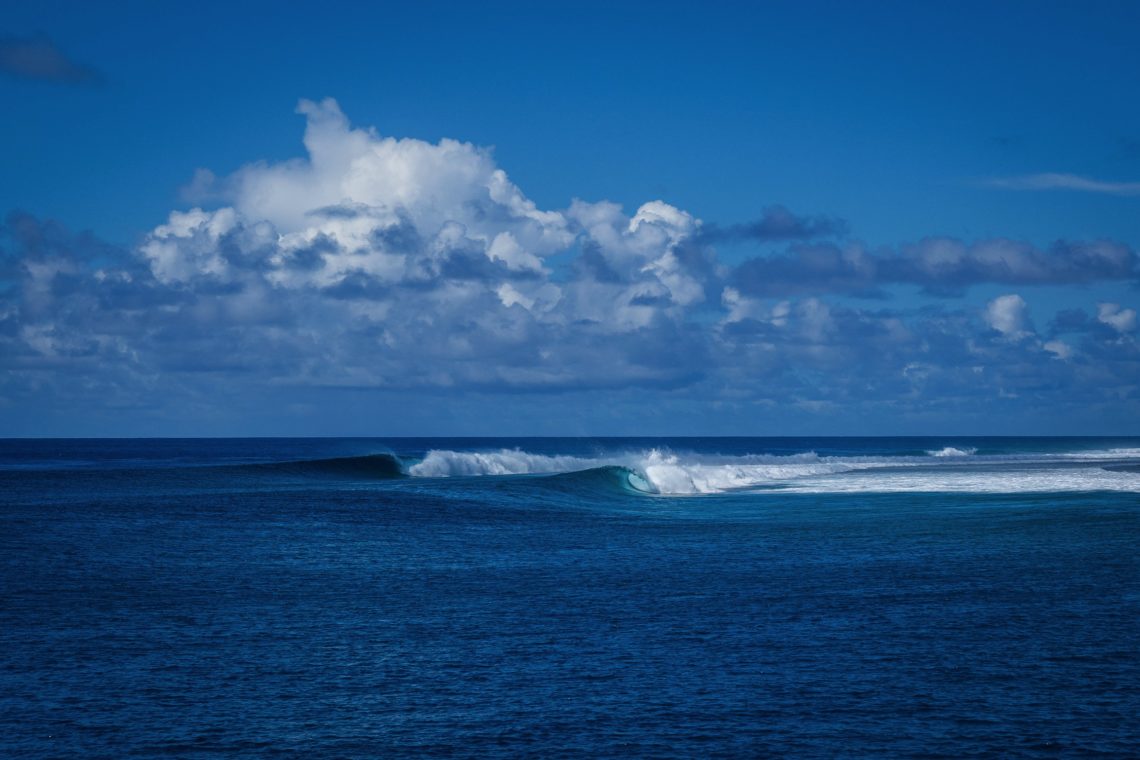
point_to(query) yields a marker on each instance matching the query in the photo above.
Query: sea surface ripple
(792, 597)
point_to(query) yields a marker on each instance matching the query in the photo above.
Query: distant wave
(950, 451)
(1117, 453)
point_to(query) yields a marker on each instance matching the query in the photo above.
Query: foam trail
(1038, 480)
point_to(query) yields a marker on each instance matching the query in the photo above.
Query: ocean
(683, 597)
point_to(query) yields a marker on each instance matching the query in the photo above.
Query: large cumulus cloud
(398, 264)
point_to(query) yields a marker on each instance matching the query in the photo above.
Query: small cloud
(1123, 320)
(1059, 349)
(38, 59)
(1007, 315)
(1054, 181)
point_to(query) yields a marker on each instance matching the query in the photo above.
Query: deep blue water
(570, 597)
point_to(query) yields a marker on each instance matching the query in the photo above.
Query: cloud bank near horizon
(403, 265)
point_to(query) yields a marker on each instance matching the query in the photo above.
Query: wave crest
(654, 471)
(449, 464)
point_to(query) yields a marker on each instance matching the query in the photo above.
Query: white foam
(669, 474)
(950, 451)
(663, 472)
(996, 481)
(446, 464)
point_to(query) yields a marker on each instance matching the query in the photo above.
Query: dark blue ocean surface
(570, 597)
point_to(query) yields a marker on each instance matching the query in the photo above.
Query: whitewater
(946, 469)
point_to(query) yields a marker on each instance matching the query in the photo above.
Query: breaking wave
(669, 473)
(663, 472)
(448, 464)
(655, 471)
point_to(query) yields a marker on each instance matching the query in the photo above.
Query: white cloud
(394, 253)
(506, 249)
(364, 212)
(1123, 320)
(1007, 315)
(1059, 349)
(741, 307)
(187, 245)
(509, 296)
(360, 193)
(815, 319)
(672, 221)
(401, 264)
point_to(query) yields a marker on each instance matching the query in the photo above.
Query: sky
(658, 218)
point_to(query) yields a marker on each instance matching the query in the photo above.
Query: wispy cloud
(37, 58)
(1058, 181)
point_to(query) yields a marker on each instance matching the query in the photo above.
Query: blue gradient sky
(888, 124)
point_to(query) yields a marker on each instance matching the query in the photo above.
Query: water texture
(570, 597)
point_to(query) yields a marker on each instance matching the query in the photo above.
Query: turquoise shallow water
(651, 597)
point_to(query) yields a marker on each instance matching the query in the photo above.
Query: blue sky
(787, 218)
